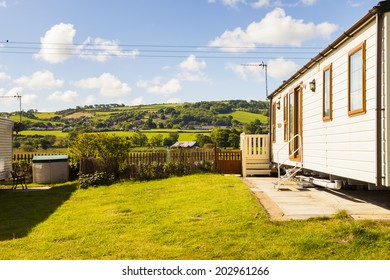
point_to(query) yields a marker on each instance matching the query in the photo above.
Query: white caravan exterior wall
(386, 101)
(346, 145)
(6, 127)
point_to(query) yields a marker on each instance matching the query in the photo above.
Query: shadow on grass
(21, 211)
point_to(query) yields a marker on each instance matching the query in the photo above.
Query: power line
(156, 51)
(163, 46)
(155, 55)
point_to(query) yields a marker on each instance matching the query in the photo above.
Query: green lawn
(194, 217)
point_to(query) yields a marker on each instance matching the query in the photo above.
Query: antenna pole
(264, 66)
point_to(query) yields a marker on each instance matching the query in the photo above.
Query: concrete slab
(291, 203)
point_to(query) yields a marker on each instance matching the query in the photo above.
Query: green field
(42, 119)
(246, 117)
(188, 135)
(195, 217)
(56, 133)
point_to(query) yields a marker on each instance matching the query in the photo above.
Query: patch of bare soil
(272, 209)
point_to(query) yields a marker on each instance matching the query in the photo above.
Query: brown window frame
(361, 47)
(285, 117)
(330, 99)
(295, 123)
(274, 122)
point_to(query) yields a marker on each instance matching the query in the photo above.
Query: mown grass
(195, 217)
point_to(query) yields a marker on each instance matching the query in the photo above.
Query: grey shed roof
(182, 144)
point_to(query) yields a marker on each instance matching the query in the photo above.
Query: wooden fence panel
(229, 162)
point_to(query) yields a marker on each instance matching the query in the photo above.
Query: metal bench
(18, 179)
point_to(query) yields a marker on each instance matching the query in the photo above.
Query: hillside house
(332, 117)
(6, 127)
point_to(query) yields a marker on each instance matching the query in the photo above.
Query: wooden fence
(89, 165)
(27, 158)
(224, 161)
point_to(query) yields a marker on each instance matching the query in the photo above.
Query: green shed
(50, 169)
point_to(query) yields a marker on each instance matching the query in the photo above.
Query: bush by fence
(138, 166)
(147, 166)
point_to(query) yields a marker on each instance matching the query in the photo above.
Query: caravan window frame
(285, 117)
(327, 92)
(356, 54)
(273, 122)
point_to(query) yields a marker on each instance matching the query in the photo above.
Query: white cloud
(40, 79)
(107, 84)
(29, 98)
(11, 93)
(172, 86)
(90, 100)
(260, 4)
(192, 69)
(137, 101)
(15, 91)
(308, 2)
(276, 29)
(4, 76)
(281, 68)
(276, 68)
(164, 89)
(3, 4)
(100, 50)
(174, 100)
(57, 44)
(191, 64)
(66, 97)
(229, 3)
(255, 73)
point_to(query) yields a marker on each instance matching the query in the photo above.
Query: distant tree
(254, 127)
(99, 145)
(138, 139)
(156, 140)
(171, 139)
(203, 139)
(220, 137)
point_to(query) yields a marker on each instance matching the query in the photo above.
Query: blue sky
(61, 54)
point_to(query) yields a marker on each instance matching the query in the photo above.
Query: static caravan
(6, 127)
(332, 117)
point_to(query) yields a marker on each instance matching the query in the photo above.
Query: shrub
(96, 179)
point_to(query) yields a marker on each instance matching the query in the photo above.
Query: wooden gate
(228, 162)
(255, 150)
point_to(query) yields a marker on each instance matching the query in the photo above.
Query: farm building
(6, 127)
(332, 117)
(185, 144)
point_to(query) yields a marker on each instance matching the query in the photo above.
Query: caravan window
(327, 94)
(357, 80)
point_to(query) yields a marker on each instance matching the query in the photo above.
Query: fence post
(215, 157)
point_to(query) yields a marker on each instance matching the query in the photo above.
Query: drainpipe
(379, 72)
(270, 127)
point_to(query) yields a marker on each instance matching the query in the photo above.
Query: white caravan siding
(386, 101)
(5, 148)
(344, 146)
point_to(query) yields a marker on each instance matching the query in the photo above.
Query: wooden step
(257, 160)
(257, 166)
(252, 172)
